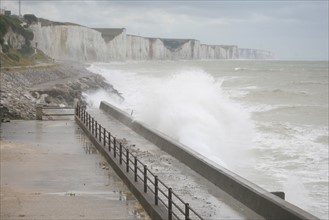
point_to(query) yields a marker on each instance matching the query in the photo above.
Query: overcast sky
(291, 29)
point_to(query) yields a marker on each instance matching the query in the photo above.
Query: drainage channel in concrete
(50, 170)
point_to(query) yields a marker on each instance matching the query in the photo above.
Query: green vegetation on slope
(45, 22)
(26, 55)
(16, 26)
(16, 59)
(30, 18)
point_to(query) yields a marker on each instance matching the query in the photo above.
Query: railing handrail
(149, 179)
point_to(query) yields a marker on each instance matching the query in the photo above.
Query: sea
(267, 121)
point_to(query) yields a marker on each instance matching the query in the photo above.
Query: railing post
(145, 178)
(104, 135)
(76, 111)
(135, 168)
(120, 152)
(89, 122)
(92, 125)
(88, 116)
(96, 126)
(114, 147)
(109, 135)
(156, 190)
(169, 204)
(83, 115)
(187, 211)
(100, 132)
(127, 160)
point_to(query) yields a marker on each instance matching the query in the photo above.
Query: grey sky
(291, 29)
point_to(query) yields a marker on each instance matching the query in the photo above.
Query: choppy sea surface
(265, 120)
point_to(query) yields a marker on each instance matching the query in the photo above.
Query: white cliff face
(207, 52)
(158, 51)
(184, 52)
(137, 48)
(129, 47)
(245, 53)
(84, 44)
(70, 42)
(220, 52)
(117, 47)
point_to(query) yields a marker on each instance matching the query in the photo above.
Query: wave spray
(190, 107)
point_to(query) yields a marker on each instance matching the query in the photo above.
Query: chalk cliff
(73, 42)
(70, 42)
(245, 53)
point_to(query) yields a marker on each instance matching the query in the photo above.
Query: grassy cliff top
(109, 33)
(45, 22)
(173, 44)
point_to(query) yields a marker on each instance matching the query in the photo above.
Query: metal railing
(176, 207)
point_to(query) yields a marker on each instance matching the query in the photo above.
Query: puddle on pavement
(63, 141)
(112, 179)
(107, 195)
(88, 147)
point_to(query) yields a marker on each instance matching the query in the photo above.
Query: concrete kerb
(261, 201)
(137, 188)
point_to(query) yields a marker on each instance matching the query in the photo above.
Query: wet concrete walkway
(204, 197)
(50, 170)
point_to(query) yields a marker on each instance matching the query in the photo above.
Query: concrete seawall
(254, 197)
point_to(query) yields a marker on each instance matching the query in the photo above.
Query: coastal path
(51, 170)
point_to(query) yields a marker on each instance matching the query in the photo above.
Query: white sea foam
(94, 98)
(237, 93)
(291, 155)
(189, 106)
(280, 153)
(239, 69)
(260, 108)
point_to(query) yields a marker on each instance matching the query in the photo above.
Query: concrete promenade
(50, 170)
(203, 196)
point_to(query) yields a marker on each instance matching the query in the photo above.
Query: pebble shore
(58, 85)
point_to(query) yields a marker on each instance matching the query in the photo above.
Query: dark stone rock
(57, 86)
(5, 120)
